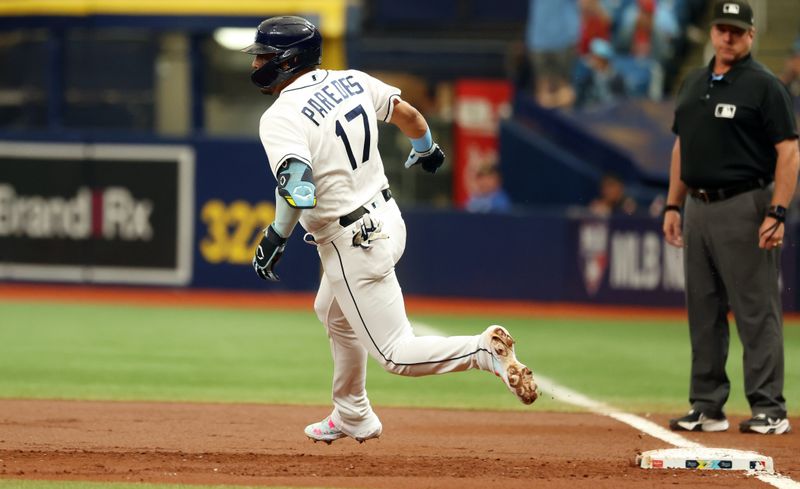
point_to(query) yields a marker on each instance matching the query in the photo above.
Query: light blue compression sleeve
(286, 216)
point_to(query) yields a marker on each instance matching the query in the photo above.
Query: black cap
(737, 13)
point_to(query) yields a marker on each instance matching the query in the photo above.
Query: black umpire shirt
(728, 128)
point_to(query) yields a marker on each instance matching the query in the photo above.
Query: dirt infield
(264, 445)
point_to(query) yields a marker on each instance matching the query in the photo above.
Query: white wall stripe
(569, 396)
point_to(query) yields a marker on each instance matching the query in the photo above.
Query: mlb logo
(725, 111)
(730, 8)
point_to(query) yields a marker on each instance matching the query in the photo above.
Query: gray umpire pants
(724, 268)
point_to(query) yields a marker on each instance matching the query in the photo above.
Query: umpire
(736, 157)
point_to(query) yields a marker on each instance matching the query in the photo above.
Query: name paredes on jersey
(329, 96)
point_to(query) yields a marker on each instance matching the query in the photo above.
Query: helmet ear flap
(267, 75)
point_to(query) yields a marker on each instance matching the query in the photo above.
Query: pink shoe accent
(325, 431)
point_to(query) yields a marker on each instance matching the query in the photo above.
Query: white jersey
(329, 119)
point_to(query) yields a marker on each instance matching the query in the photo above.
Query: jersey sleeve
(778, 112)
(382, 96)
(283, 137)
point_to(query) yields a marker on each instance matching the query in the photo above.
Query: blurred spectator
(636, 29)
(650, 39)
(647, 30)
(656, 208)
(691, 32)
(595, 23)
(488, 194)
(599, 83)
(551, 39)
(643, 76)
(612, 199)
(518, 67)
(791, 71)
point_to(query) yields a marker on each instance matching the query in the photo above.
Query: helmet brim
(258, 48)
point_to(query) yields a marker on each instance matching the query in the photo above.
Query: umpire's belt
(354, 216)
(709, 195)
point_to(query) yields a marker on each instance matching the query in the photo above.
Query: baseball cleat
(362, 439)
(697, 421)
(369, 434)
(325, 431)
(761, 423)
(517, 377)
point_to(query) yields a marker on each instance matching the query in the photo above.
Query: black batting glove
(268, 253)
(429, 160)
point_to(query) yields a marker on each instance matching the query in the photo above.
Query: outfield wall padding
(535, 255)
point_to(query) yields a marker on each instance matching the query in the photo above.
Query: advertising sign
(96, 212)
(626, 260)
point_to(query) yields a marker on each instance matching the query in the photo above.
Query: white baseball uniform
(328, 119)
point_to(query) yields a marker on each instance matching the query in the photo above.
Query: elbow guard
(296, 184)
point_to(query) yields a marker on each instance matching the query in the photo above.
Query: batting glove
(269, 251)
(429, 160)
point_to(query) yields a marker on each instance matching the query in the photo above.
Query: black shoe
(697, 421)
(761, 423)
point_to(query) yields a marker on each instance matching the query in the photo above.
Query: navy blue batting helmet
(297, 45)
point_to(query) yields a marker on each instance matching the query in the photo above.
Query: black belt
(708, 195)
(354, 216)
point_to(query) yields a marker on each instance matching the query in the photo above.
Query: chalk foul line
(569, 396)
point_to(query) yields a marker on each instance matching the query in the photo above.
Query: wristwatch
(777, 212)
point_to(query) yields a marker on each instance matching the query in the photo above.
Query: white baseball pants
(361, 305)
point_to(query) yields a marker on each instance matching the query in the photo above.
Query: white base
(705, 459)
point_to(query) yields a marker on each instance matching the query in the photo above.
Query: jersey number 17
(358, 111)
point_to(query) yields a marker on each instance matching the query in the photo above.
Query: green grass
(176, 354)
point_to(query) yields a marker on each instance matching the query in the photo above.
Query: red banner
(479, 106)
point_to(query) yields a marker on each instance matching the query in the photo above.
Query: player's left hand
(269, 251)
(430, 160)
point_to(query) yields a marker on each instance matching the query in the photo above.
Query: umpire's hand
(770, 234)
(672, 229)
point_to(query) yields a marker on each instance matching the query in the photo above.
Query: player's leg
(369, 295)
(352, 413)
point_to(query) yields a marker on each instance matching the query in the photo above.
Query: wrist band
(675, 208)
(423, 143)
(777, 212)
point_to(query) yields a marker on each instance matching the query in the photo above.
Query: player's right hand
(268, 252)
(429, 160)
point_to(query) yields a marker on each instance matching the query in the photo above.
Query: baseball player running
(321, 140)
